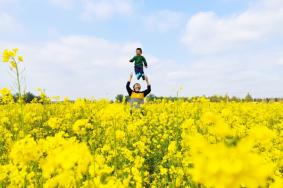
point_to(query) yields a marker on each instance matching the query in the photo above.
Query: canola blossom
(96, 143)
(11, 57)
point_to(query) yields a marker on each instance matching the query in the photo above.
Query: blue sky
(80, 48)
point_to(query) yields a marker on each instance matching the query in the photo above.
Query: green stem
(18, 79)
(115, 150)
(20, 95)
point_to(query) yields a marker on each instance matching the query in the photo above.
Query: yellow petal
(12, 53)
(13, 64)
(6, 56)
(5, 59)
(15, 50)
(20, 58)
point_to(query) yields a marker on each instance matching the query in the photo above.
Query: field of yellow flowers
(89, 143)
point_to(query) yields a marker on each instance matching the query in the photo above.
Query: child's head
(138, 51)
(137, 87)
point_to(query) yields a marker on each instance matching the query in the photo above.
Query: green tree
(28, 97)
(248, 98)
(151, 97)
(119, 98)
(235, 99)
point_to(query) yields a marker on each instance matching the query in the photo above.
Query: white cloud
(105, 9)
(234, 75)
(76, 66)
(236, 53)
(84, 66)
(280, 61)
(98, 9)
(207, 32)
(9, 24)
(163, 20)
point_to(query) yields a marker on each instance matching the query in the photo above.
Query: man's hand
(146, 79)
(131, 76)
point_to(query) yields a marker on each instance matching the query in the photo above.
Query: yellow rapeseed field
(96, 143)
(172, 144)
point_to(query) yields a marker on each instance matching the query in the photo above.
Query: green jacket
(139, 61)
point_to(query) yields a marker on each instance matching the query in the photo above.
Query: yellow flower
(163, 171)
(137, 175)
(15, 50)
(54, 123)
(138, 162)
(140, 146)
(128, 154)
(64, 156)
(24, 151)
(6, 96)
(20, 58)
(120, 135)
(221, 166)
(6, 56)
(81, 125)
(172, 148)
(221, 129)
(277, 183)
(11, 54)
(13, 65)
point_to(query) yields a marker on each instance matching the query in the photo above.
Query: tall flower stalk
(13, 59)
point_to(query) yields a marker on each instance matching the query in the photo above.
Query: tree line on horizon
(213, 98)
(29, 97)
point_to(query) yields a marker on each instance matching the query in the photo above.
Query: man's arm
(148, 90)
(144, 61)
(129, 90)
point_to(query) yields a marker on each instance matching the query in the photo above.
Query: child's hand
(145, 66)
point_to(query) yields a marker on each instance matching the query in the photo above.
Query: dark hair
(139, 49)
